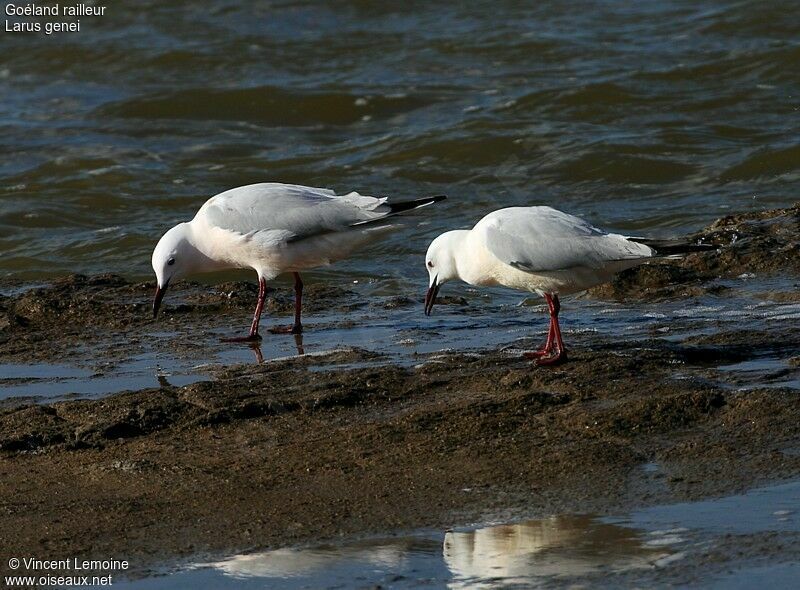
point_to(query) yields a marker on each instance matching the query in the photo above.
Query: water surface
(654, 116)
(707, 544)
(487, 320)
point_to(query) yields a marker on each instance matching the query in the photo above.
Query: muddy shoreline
(352, 443)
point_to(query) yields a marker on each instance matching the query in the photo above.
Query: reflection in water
(290, 563)
(298, 342)
(256, 348)
(397, 334)
(558, 546)
(526, 553)
(642, 549)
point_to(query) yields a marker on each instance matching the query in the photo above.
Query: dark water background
(648, 116)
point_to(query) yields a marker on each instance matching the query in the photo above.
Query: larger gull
(273, 228)
(540, 250)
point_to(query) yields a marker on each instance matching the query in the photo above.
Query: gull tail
(395, 208)
(673, 247)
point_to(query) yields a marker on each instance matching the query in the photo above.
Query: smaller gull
(540, 250)
(273, 228)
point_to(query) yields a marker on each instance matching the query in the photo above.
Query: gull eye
(170, 262)
(430, 264)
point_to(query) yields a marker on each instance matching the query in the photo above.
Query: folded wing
(541, 239)
(293, 212)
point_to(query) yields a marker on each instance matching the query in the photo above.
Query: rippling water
(654, 115)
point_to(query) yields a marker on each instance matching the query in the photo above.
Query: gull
(539, 250)
(273, 228)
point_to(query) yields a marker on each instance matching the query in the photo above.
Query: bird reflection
(298, 342)
(558, 546)
(290, 562)
(526, 553)
(256, 348)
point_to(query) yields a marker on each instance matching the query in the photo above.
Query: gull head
(172, 258)
(440, 262)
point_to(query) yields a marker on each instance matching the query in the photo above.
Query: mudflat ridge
(315, 447)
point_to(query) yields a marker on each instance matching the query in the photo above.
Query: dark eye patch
(170, 262)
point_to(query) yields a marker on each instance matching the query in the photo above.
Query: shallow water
(649, 117)
(487, 320)
(711, 543)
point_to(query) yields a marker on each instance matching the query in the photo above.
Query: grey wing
(540, 239)
(295, 211)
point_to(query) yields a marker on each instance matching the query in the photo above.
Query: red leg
(548, 345)
(253, 336)
(297, 328)
(560, 354)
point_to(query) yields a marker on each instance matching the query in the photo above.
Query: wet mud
(351, 442)
(751, 245)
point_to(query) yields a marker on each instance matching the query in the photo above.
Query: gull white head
(440, 261)
(173, 257)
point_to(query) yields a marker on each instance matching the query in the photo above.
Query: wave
(266, 105)
(765, 163)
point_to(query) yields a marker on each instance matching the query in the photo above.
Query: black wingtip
(415, 204)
